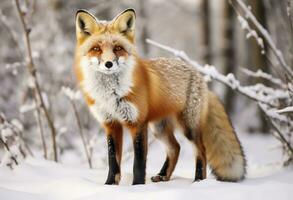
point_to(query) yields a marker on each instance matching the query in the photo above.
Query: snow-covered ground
(37, 179)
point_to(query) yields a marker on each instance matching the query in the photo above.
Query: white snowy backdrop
(253, 40)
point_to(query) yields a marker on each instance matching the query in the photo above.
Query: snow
(243, 22)
(250, 32)
(5, 133)
(31, 82)
(17, 124)
(27, 107)
(37, 179)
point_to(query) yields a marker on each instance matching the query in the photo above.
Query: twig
(18, 133)
(279, 132)
(261, 74)
(32, 71)
(8, 149)
(81, 133)
(285, 110)
(266, 36)
(40, 125)
(4, 124)
(72, 96)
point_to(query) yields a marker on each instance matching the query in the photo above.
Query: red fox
(124, 90)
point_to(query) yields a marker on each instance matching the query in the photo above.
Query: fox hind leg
(194, 135)
(201, 161)
(164, 132)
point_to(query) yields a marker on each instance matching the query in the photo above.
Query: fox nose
(108, 64)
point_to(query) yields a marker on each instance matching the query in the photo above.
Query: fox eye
(96, 48)
(118, 48)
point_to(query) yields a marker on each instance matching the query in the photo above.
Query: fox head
(106, 46)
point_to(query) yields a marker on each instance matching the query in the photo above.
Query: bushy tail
(224, 152)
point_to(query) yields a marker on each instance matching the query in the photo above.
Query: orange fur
(150, 94)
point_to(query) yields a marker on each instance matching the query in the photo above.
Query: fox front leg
(139, 139)
(114, 141)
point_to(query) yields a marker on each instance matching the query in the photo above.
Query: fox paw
(159, 178)
(198, 179)
(113, 180)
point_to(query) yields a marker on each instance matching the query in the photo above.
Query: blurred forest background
(207, 30)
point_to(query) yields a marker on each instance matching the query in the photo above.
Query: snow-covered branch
(258, 93)
(251, 33)
(265, 34)
(285, 110)
(261, 74)
(10, 138)
(280, 134)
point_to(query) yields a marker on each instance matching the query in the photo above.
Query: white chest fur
(108, 91)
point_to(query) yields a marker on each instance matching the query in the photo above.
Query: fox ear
(85, 23)
(125, 23)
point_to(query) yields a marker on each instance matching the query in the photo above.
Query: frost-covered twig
(72, 96)
(8, 150)
(261, 74)
(251, 33)
(86, 149)
(254, 93)
(10, 131)
(279, 132)
(248, 15)
(275, 115)
(33, 74)
(285, 110)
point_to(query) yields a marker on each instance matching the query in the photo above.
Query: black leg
(163, 171)
(140, 151)
(163, 131)
(201, 163)
(114, 169)
(199, 170)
